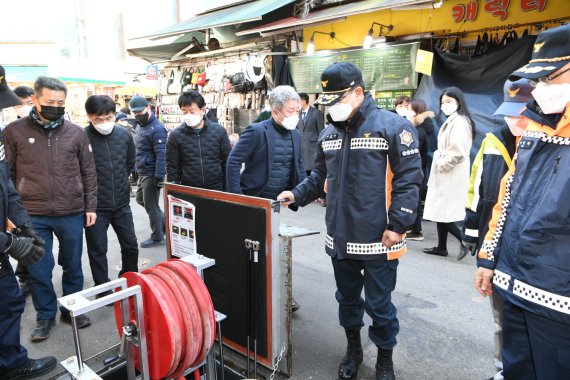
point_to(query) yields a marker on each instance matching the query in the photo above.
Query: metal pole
(77, 344)
(221, 347)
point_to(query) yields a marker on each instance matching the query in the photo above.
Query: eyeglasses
(546, 80)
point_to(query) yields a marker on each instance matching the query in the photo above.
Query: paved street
(444, 333)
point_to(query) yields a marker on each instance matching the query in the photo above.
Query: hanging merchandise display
(235, 87)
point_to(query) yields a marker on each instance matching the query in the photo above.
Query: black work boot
(384, 365)
(349, 365)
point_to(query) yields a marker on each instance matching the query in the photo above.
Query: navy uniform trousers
(534, 347)
(12, 303)
(378, 278)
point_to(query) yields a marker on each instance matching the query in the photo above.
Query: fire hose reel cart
(165, 318)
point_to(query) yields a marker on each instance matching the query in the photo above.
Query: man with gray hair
(52, 166)
(271, 151)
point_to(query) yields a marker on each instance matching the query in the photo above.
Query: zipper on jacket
(50, 175)
(201, 161)
(112, 171)
(547, 186)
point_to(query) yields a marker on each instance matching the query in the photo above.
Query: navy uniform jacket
(355, 163)
(528, 242)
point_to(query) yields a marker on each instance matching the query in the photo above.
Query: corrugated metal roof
(230, 16)
(332, 12)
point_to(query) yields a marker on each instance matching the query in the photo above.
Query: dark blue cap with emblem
(516, 95)
(550, 52)
(338, 78)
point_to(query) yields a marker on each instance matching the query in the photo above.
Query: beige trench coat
(449, 178)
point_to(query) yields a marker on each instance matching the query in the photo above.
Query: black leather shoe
(436, 251)
(81, 321)
(42, 330)
(33, 368)
(462, 252)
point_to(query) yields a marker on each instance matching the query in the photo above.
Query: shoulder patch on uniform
(406, 138)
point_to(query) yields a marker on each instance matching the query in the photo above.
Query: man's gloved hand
(26, 230)
(470, 247)
(159, 183)
(24, 250)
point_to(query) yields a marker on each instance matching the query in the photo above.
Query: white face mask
(104, 128)
(23, 111)
(552, 98)
(290, 122)
(449, 108)
(516, 125)
(401, 111)
(340, 111)
(192, 120)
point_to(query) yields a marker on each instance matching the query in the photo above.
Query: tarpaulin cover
(481, 78)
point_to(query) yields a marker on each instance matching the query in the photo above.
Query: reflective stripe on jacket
(528, 242)
(354, 162)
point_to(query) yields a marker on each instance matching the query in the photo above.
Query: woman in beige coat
(449, 178)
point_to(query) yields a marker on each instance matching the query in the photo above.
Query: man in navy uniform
(363, 240)
(526, 250)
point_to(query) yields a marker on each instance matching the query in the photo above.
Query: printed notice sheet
(182, 222)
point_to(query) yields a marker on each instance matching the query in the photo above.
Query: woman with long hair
(449, 177)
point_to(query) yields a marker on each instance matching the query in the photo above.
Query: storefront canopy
(332, 14)
(242, 13)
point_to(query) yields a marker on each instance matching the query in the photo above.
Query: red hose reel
(179, 317)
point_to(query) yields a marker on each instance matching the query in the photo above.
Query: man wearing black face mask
(151, 167)
(52, 167)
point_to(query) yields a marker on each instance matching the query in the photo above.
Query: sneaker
(42, 330)
(415, 236)
(152, 243)
(32, 368)
(81, 321)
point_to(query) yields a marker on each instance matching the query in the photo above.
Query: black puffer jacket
(114, 159)
(198, 157)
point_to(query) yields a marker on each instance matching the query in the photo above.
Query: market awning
(24, 73)
(159, 53)
(249, 12)
(166, 49)
(332, 14)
